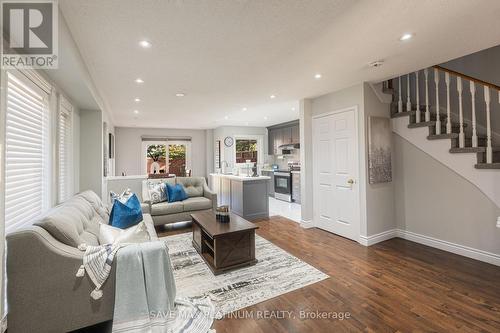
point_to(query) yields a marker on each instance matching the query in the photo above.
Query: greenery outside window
(246, 149)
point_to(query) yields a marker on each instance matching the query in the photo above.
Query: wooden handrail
(467, 77)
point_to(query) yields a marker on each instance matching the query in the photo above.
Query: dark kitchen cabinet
(295, 134)
(282, 134)
(287, 135)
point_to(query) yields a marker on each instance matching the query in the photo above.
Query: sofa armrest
(209, 194)
(41, 273)
(146, 207)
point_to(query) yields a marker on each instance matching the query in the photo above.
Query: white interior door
(335, 158)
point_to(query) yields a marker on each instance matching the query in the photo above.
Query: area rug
(277, 272)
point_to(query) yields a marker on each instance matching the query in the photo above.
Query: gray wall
(483, 65)
(227, 153)
(379, 197)
(128, 144)
(434, 201)
(91, 156)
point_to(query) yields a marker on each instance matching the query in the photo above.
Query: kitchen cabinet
(283, 134)
(270, 142)
(271, 183)
(286, 135)
(296, 186)
(295, 134)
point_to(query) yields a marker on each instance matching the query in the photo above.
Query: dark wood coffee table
(224, 246)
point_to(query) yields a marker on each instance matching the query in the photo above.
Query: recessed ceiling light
(226, 117)
(145, 44)
(293, 109)
(317, 76)
(180, 95)
(272, 96)
(406, 37)
(137, 100)
(244, 109)
(265, 117)
(139, 80)
(136, 111)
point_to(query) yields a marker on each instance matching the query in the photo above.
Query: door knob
(350, 181)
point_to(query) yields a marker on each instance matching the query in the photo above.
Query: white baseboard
(462, 250)
(377, 238)
(306, 224)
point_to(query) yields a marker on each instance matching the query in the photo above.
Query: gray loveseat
(43, 293)
(200, 197)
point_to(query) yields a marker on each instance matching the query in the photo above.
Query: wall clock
(228, 141)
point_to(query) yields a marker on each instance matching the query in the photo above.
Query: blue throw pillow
(124, 215)
(176, 193)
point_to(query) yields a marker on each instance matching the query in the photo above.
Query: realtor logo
(29, 31)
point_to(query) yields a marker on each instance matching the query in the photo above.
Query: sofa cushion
(73, 223)
(197, 203)
(164, 208)
(192, 185)
(138, 233)
(97, 204)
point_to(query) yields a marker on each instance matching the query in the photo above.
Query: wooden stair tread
(402, 114)
(422, 124)
(442, 136)
(487, 166)
(472, 149)
(468, 150)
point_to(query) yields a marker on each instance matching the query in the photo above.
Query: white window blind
(27, 156)
(65, 151)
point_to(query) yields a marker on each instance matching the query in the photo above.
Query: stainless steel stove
(283, 185)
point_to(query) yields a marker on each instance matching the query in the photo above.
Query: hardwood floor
(394, 286)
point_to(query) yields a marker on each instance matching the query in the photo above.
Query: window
(65, 151)
(246, 149)
(27, 151)
(169, 157)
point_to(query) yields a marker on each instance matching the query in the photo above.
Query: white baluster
(427, 110)
(448, 107)
(461, 136)
(474, 124)
(489, 151)
(400, 102)
(408, 101)
(438, 120)
(417, 114)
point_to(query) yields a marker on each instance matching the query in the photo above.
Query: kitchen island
(245, 196)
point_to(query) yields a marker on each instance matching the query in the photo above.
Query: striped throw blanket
(97, 262)
(145, 295)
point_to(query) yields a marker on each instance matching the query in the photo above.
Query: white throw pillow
(113, 235)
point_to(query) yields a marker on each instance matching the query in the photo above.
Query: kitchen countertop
(240, 178)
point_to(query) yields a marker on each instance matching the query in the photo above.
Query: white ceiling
(226, 55)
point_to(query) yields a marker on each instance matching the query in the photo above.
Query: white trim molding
(377, 238)
(306, 224)
(462, 250)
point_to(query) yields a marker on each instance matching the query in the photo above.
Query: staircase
(419, 96)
